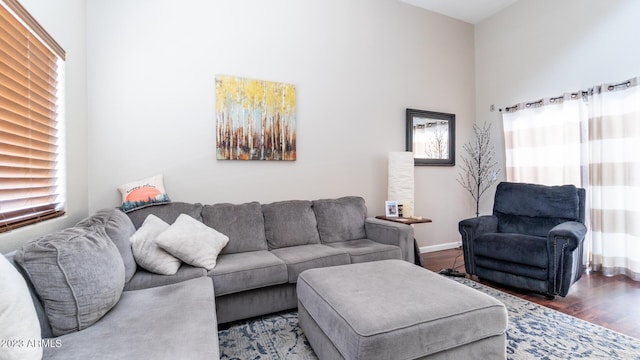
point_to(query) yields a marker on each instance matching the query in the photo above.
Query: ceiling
(471, 11)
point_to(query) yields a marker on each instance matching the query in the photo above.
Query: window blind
(29, 146)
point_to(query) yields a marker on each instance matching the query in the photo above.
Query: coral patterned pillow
(143, 193)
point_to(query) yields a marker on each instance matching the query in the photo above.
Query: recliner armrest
(564, 244)
(391, 233)
(474, 227)
(573, 231)
(470, 229)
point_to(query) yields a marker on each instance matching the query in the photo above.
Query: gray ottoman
(392, 309)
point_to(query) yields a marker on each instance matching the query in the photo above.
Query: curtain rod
(574, 95)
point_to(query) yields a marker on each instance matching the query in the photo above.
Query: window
(30, 120)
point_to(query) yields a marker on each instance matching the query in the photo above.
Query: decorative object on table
(533, 332)
(142, 193)
(478, 173)
(255, 119)
(431, 137)
(391, 208)
(401, 180)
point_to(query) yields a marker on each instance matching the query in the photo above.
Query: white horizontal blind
(28, 122)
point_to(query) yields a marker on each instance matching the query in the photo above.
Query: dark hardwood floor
(611, 302)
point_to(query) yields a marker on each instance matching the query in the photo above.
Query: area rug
(534, 332)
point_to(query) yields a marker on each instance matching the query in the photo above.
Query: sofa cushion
(523, 249)
(144, 279)
(166, 212)
(142, 193)
(192, 242)
(119, 228)
(17, 315)
(242, 223)
(290, 223)
(340, 219)
(534, 209)
(246, 271)
(176, 321)
(77, 272)
(365, 250)
(304, 257)
(147, 252)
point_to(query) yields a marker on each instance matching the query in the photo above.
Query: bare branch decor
(478, 173)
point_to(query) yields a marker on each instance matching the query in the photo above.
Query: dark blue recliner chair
(532, 241)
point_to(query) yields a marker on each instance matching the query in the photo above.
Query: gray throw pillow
(78, 274)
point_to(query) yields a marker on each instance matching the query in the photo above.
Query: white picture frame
(391, 208)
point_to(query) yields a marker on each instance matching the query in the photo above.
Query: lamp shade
(400, 181)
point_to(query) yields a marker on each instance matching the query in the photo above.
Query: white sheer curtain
(545, 141)
(590, 139)
(614, 178)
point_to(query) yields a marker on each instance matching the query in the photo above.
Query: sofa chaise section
(176, 321)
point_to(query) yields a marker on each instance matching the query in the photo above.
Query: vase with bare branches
(478, 165)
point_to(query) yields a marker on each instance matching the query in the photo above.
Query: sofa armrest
(391, 233)
(470, 229)
(144, 279)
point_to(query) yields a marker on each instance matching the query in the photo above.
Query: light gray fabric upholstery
(366, 250)
(340, 219)
(256, 302)
(290, 223)
(403, 312)
(45, 328)
(390, 233)
(246, 271)
(77, 272)
(243, 224)
(487, 348)
(163, 323)
(166, 212)
(119, 228)
(144, 279)
(303, 257)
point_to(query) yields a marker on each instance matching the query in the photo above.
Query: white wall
(65, 21)
(543, 48)
(356, 66)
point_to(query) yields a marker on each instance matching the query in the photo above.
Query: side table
(409, 221)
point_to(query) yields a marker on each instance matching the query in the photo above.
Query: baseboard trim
(439, 247)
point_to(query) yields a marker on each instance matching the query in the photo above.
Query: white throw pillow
(147, 252)
(20, 328)
(193, 242)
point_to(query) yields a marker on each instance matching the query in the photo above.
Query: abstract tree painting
(255, 119)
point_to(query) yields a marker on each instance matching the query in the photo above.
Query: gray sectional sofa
(119, 310)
